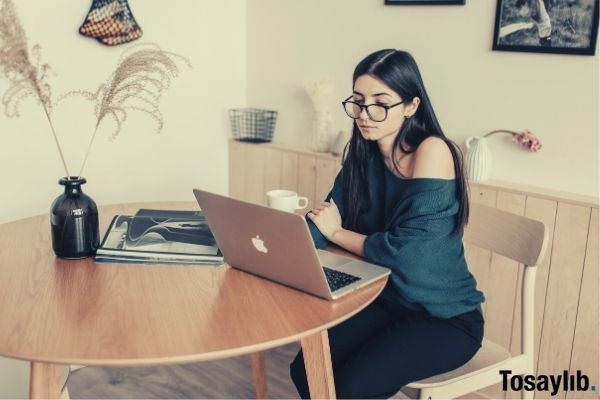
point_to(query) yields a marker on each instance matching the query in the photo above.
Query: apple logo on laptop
(259, 244)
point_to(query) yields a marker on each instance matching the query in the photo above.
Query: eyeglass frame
(366, 107)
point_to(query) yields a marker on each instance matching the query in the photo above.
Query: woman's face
(370, 90)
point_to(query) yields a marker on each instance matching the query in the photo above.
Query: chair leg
(258, 375)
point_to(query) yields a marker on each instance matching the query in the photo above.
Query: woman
(399, 201)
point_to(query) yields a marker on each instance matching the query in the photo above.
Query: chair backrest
(519, 238)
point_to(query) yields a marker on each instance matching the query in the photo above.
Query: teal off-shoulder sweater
(409, 224)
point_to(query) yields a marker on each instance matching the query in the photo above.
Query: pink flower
(527, 139)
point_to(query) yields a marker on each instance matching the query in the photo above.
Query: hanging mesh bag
(111, 22)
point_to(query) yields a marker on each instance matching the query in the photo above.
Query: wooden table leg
(317, 363)
(45, 380)
(258, 375)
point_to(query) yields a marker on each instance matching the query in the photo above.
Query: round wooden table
(56, 312)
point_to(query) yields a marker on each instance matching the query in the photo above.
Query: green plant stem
(87, 153)
(500, 130)
(62, 157)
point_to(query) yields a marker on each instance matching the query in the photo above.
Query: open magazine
(160, 236)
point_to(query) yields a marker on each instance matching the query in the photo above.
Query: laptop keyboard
(337, 279)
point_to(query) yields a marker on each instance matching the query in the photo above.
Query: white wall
(140, 165)
(473, 89)
(190, 152)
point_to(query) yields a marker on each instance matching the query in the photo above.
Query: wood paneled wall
(256, 169)
(567, 282)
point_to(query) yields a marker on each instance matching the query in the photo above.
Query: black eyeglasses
(376, 112)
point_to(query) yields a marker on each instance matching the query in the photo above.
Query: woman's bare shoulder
(433, 159)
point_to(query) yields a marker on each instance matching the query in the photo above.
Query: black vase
(74, 221)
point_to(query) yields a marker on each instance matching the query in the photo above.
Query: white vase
(321, 134)
(478, 159)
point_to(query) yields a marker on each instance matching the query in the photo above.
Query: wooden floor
(222, 379)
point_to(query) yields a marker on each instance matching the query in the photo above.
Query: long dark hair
(398, 70)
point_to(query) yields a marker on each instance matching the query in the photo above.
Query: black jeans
(385, 346)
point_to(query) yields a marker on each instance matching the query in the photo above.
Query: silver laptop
(277, 245)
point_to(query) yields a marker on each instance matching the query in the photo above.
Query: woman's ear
(412, 108)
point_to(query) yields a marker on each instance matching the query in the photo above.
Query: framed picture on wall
(547, 26)
(422, 2)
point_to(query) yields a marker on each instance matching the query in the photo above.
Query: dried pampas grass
(26, 78)
(320, 92)
(144, 72)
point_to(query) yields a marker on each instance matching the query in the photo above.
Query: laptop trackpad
(332, 260)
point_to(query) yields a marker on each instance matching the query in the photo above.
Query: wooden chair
(523, 240)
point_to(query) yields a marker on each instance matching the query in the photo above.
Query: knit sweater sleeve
(418, 230)
(337, 194)
(416, 242)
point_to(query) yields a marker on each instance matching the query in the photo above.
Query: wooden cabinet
(566, 297)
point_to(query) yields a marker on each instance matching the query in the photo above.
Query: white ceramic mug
(285, 200)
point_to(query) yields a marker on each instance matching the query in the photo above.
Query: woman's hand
(327, 218)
